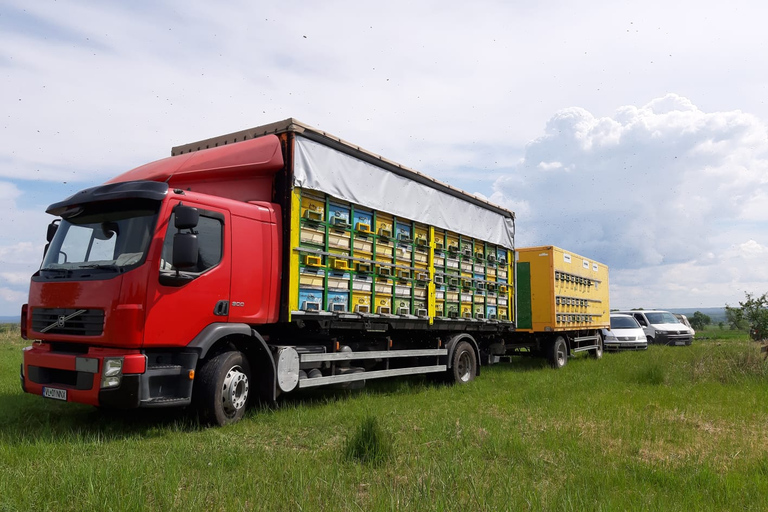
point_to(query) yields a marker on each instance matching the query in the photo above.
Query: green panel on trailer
(524, 314)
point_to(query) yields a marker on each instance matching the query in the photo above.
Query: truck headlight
(112, 367)
(112, 372)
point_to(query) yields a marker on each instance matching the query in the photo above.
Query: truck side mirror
(186, 217)
(185, 250)
(52, 228)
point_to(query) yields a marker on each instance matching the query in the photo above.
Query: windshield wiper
(63, 272)
(103, 266)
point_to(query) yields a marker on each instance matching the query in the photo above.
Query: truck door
(180, 305)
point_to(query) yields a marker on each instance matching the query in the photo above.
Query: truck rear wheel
(222, 388)
(597, 352)
(558, 352)
(464, 363)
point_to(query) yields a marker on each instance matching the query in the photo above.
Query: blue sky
(633, 134)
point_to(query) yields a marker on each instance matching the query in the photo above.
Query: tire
(222, 389)
(558, 352)
(463, 364)
(650, 340)
(597, 353)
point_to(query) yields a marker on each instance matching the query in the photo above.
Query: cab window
(210, 236)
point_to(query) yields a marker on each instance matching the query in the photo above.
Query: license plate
(679, 343)
(55, 393)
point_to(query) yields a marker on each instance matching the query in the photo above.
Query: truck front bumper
(82, 378)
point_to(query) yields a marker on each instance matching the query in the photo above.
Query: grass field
(672, 428)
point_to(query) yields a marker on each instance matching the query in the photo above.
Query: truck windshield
(109, 237)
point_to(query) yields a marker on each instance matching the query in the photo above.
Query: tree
(699, 320)
(735, 318)
(753, 313)
(756, 312)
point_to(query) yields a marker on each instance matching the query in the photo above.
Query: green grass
(672, 428)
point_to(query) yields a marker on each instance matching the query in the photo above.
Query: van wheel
(558, 352)
(650, 340)
(222, 389)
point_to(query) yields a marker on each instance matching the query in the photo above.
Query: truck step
(165, 369)
(168, 401)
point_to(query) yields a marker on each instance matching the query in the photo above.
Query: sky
(632, 133)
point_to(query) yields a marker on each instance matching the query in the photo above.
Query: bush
(754, 313)
(369, 443)
(652, 375)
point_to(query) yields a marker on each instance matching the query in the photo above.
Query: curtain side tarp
(318, 167)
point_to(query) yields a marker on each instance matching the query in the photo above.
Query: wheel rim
(463, 365)
(234, 391)
(561, 355)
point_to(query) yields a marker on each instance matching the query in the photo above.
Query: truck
(282, 258)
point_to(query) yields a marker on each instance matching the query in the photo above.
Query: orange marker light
(191, 374)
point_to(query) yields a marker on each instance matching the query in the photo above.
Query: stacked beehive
(355, 260)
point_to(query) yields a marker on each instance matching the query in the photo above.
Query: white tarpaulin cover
(319, 167)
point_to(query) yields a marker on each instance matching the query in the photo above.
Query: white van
(662, 327)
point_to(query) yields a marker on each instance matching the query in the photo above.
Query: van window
(662, 318)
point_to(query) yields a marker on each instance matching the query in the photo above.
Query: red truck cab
(115, 323)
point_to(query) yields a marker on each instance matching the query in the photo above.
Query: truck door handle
(222, 308)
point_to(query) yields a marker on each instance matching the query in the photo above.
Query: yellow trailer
(565, 294)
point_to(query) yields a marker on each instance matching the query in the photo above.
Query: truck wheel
(464, 364)
(558, 352)
(597, 352)
(222, 388)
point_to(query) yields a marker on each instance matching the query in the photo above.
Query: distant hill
(9, 319)
(716, 314)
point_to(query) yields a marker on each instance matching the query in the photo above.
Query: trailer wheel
(558, 352)
(464, 363)
(597, 352)
(222, 388)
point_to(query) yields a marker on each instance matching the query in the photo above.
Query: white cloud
(21, 253)
(11, 296)
(14, 278)
(659, 191)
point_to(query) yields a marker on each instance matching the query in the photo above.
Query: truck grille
(57, 321)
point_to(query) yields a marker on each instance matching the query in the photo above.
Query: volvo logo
(62, 320)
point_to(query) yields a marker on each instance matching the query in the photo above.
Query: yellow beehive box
(558, 290)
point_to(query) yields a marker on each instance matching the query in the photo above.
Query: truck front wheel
(464, 364)
(222, 388)
(558, 352)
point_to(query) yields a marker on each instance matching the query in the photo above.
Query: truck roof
(295, 126)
